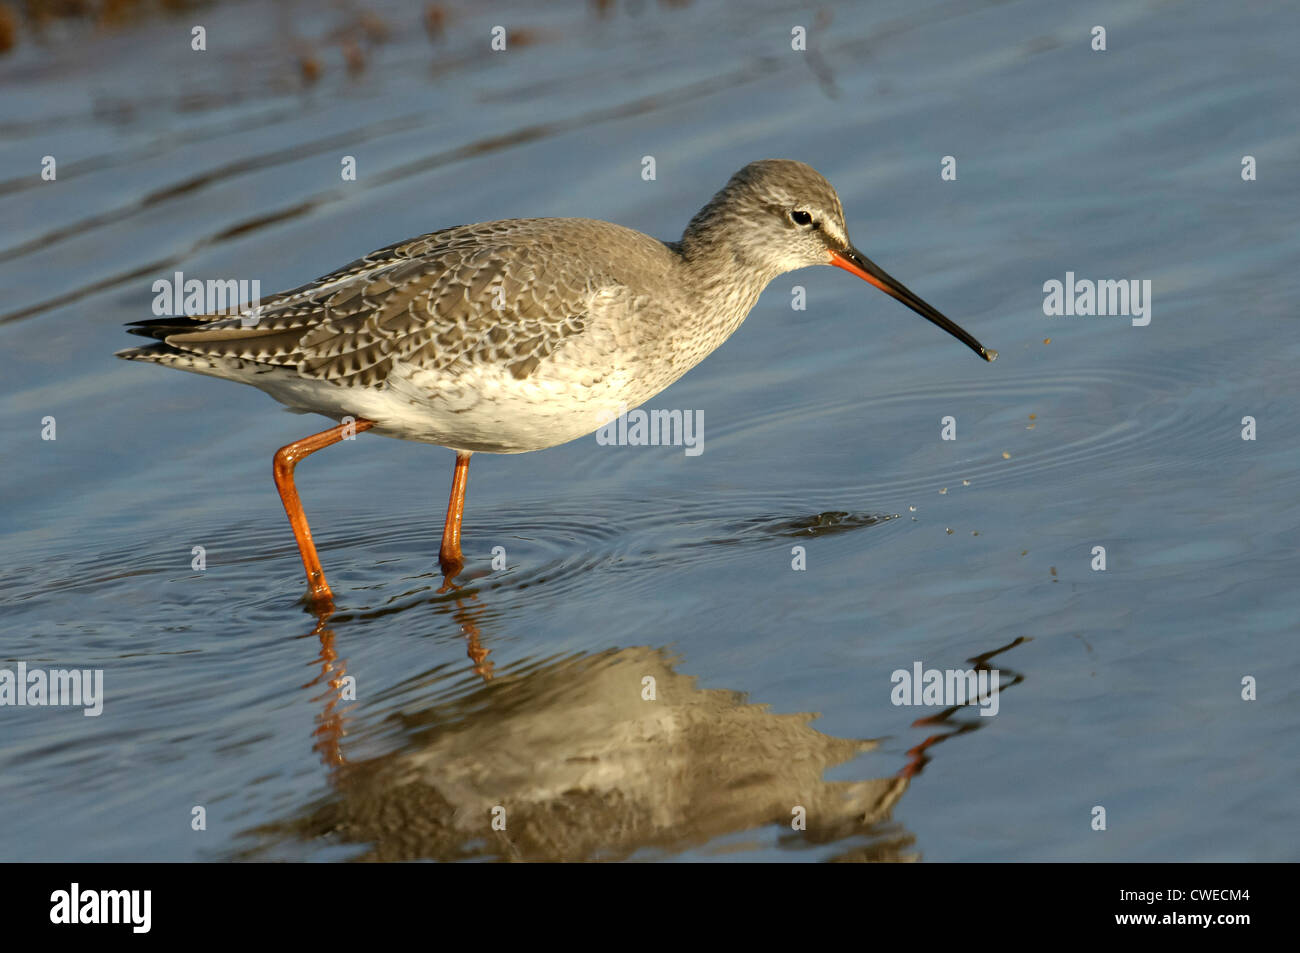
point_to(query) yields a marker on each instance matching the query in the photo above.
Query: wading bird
(504, 337)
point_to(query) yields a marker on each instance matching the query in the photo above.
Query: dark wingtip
(159, 328)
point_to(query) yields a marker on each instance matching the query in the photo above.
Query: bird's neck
(723, 281)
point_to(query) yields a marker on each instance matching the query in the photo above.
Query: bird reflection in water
(918, 757)
(600, 756)
(333, 672)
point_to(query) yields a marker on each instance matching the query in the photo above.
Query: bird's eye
(801, 218)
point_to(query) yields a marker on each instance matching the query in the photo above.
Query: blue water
(1120, 689)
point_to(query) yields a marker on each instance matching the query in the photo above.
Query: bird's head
(777, 215)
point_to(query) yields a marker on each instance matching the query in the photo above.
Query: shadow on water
(816, 525)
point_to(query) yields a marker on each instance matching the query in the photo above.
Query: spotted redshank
(517, 335)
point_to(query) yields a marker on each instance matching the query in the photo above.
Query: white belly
(482, 408)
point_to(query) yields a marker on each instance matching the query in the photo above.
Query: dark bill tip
(856, 263)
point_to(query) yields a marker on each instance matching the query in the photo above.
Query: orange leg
(449, 555)
(286, 458)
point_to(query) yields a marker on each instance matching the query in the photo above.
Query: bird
(516, 335)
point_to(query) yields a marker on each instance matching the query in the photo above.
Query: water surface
(1120, 688)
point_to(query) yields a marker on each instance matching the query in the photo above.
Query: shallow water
(1120, 689)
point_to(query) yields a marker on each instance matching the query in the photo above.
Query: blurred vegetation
(33, 19)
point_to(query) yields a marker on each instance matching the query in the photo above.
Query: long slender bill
(856, 263)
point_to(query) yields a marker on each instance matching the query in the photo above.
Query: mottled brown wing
(467, 294)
